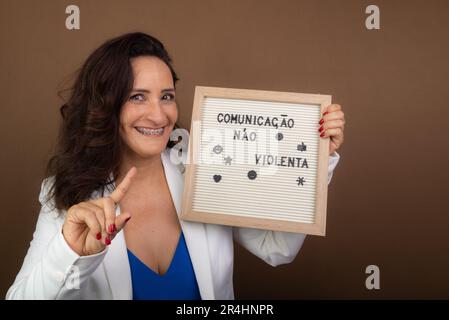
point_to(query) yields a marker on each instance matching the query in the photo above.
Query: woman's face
(150, 113)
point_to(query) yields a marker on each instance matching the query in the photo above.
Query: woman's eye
(168, 96)
(137, 97)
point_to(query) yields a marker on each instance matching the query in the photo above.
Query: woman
(112, 172)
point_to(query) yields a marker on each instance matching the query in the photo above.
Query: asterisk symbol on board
(300, 181)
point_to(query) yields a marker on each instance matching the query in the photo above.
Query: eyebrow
(148, 91)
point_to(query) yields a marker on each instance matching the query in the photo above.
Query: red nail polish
(111, 228)
(321, 129)
(322, 134)
(107, 241)
(325, 113)
(321, 121)
(98, 235)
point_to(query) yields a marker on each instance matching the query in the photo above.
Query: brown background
(388, 197)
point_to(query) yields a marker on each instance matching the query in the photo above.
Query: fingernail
(111, 228)
(107, 241)
(322, 134)
(321, 129)
(325, 113)
(98, 235)
(127, 219)
(321, 121)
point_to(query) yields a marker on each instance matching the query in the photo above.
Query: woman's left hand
(332, 125)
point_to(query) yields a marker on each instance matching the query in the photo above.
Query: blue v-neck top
(178, 283)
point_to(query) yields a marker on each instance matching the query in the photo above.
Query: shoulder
(46, 186)
(48, 207)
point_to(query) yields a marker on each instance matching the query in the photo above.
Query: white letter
(73, 280)
(72, 21)
(373, 280)
(372, 21)
(178, 154)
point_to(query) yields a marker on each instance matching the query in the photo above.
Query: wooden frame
(195, 187)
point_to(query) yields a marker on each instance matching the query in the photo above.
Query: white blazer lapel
(194, 233)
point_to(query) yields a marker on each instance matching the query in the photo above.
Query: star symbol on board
(302, 147)
(228, 160)
(300, 181)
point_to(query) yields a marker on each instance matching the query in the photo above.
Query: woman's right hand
(90, 226)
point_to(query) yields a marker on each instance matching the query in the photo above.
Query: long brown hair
(89, 147)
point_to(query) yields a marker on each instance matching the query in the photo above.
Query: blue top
(178, 283)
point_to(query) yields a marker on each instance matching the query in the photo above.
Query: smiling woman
(112, 172)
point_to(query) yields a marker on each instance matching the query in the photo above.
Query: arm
(276, 247)
(47, 269)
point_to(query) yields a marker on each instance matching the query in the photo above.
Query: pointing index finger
(120, 191)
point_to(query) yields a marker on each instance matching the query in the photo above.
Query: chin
(149, 151)
(147, 146)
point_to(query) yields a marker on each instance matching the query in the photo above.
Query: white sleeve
(51, 269)
(276, 247)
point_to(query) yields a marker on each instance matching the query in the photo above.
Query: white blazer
(50, 266)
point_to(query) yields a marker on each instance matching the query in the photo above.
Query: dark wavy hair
(89, 147)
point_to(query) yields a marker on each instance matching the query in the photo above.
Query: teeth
(150, 132)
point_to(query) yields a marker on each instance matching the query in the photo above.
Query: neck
(149, 169)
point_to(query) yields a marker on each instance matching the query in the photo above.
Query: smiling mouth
(150, 131)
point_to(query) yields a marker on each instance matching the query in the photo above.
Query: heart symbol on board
(217, 178)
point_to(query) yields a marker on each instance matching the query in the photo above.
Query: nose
(154, 113)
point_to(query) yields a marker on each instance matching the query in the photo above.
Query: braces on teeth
(150, 131)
